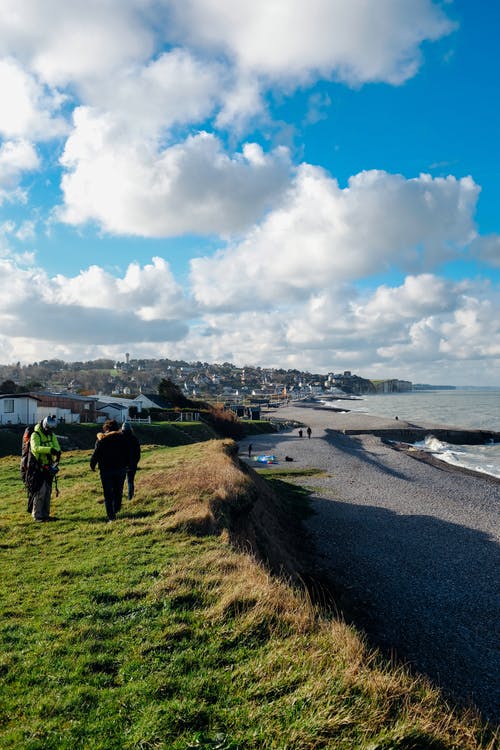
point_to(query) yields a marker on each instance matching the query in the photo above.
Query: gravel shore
(413, 546)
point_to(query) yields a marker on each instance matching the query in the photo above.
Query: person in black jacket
(111, 455)
(134, 455)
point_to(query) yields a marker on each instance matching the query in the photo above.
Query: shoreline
(432, 460)
(396, 433)
(346, 419)
(412, 545)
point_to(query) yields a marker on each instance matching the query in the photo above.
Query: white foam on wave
(482, 458)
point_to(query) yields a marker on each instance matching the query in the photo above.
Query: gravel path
(415, 546)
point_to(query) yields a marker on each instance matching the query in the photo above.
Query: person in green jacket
(45, 448)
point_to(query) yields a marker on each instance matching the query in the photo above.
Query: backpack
(26, 455)
(31, 474)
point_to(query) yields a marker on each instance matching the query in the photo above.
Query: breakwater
(417, 434)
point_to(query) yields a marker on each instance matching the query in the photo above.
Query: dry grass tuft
(202, 492)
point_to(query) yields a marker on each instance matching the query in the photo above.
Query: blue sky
(285, 183)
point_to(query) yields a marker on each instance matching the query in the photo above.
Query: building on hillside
(112, 410)
(252, 411)
(113, 407)
(67, 407)
(18, 408)
(150, 401)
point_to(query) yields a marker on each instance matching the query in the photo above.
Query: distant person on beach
(111, 455)
(309, 432)
(300, 433)
(134, 456)
(45, 449)
(250, 450)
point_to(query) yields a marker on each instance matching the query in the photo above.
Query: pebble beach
(411, 544)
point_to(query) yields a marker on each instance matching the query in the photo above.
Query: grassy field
(162, 630)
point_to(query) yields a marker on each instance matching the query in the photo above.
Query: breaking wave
(482, 458)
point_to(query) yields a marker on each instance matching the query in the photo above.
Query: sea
(468, 408)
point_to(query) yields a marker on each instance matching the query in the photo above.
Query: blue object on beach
(267, 459)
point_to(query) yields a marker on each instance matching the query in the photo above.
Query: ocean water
(473, 409)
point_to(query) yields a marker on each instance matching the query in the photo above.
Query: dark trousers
(112, 486)
(130, 481)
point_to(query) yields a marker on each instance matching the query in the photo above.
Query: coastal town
(95, 390)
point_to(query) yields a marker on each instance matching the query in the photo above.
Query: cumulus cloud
(386, 331)
(67, 43)
(323, 234)
(294, 40)
(29, 109)
(94, 307)
(175, 88)
(134, 70)
(123, 51)
(347, 327)
(150, 291)
(487, 249)
(130, 187)
(469, 332)
(416, 296)
(16, 157)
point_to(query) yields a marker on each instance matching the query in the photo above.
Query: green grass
(155, 632)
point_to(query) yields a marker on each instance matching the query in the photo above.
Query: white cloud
(487, 249)
(356, 41)
(130, 187)
(28, 108)
(453, 324)
(391, 331)
(134, 70)
(282, 291)
(414, 297)
(26, 232)
(119, 53)
(16, 157)
(150, 292)
(318, 106)
(323, 234)
(93, 308)
(73, 42)
(175, 88)
(241, 101)
(294, 40)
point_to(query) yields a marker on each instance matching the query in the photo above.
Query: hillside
(168, 629)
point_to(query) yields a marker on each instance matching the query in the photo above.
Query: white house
(151, 401)
(113, 410)
(18, 409)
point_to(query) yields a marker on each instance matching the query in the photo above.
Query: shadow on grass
(99, 520)
(136, 513)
